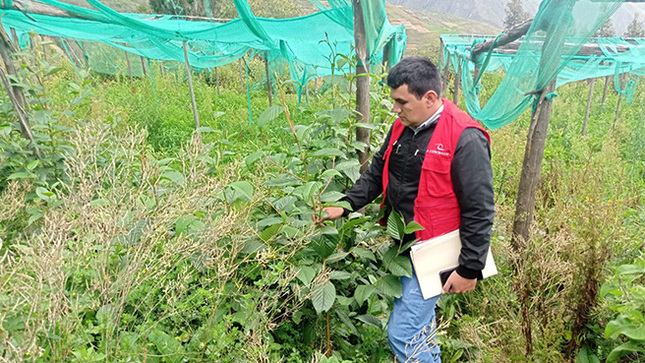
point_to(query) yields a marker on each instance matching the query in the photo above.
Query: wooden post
(190, 87)
(16, 91)
(455, 95)
(268, 75)
(620, 97)
(25, 129)
(386, 55)
(239, 70)
(162, 69)
(362, 83)
(217, 80)
(604, 92)
(143, 66)
(584, 122)
(127, 59)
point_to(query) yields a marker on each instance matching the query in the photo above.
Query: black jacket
(472, 180)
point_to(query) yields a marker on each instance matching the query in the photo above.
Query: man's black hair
(419, 73)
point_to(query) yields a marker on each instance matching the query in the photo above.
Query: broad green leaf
(252, 246)
(33, 165)
(270, 114)
(389, 285)
(400, 266)
(632, 327)
(337, 257)
(187, 224)
(363, 253)
(270, 232)
(269, 222)
(43, 193)
(168, 346)
(174, 176)
(350, 168)
(253, 158)
(204, 129)
(285, 204)
(99, 202)
(339, 114)
(364, 125)
(328, 152)
(282, 181)
(331, 196)
(625, 349)
(330, 230)
(322, 296)
(342, 315)
(413, 227)
(339, 275)
(585, 355)
(362, 292)
(370, 320)
(18, 175)
(306, 275)
(395, 225)
(243, 189)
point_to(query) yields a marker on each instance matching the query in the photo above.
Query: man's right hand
(328, 214)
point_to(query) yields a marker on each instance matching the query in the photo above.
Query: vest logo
(438, 149)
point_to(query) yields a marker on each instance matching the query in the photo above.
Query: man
(434, 168)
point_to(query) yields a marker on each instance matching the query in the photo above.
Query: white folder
(437, 254)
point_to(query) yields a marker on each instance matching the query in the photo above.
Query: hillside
(423, 28)
(493, 11)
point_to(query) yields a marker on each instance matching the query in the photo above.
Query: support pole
(190, 87)
(127, 59)
(620, 98)
(268, 75)
(143, 66)
(25, 129)
(16, 91)
(362, 84)
(162, 69)
(217, 80)
(239, 70)
(455, 95)
(386, 56)
(604, 92)
(584, 122)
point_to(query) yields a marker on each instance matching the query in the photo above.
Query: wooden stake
(268, 75)
(217, 80)
(239, 70)
(386, 56)
(604, 92)
(162, 69)
(620, 98)
(190, 87)
(15, 91)
(25, 129)
(127, 59)
(362, 84)
(455, 95)
(143, 66)
(584, 122)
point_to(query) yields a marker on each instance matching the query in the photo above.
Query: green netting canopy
(558, 44)
(303, 42)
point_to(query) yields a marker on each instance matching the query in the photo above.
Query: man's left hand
(457, 284)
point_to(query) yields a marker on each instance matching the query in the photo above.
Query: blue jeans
(412, 327)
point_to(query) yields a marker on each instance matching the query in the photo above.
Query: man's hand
(457, 284)
(328, 214)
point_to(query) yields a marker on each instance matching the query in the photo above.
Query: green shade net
(297, 42)
(558, 43)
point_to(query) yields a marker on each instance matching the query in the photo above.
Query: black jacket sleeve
(370, 184)
(472, 179)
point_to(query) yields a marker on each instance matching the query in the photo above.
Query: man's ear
(431, 96)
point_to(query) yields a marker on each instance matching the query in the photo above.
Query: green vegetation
(134, 239)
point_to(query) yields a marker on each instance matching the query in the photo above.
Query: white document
(440, 253)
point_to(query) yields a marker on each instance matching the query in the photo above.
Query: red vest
(436, 207)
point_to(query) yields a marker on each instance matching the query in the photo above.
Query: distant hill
(493, 11)
(423, 28)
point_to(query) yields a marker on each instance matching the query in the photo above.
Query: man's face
(413, 111)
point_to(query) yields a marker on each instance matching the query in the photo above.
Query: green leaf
(328, 152)
(363, 253)
(174, 176)
(187, 224)
(339, 275)
(400, 266)
(370, 320)
(253, 158)
(395, 225)
(625, 349)
(43, 193)
(363, 292)
(33, 165)
(339, 114)
(269, 114)
(270, 232)
(331, 196)
(18, 175)
(585, 355)
(166, 345)
(342, 315)
(632, 327)
(205, 129)
(389, 285)
(285, 204)
(322, 296)
(350, 168)
(336, 257)
(412, 227)
(252, 246)
(306, 275)
(99, 202)
(243, 189)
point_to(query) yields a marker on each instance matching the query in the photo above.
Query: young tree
(515, 14)
(606, 30)
(635, 29)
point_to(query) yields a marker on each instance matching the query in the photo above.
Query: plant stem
(328, 353)
(293, 130)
